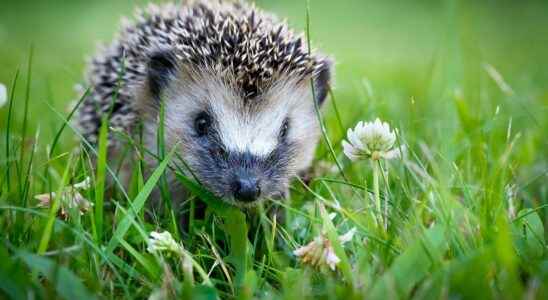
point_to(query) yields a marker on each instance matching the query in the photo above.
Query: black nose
(246, 189)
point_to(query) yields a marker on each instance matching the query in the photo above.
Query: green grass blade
(151, 269)
(236, 227)
(213, 202)
(27, 179)
(163, 186)
(336, 110)
(346, 268)
(316, 106)
(46, 235)
(8, 128)
(26, 105)
(101, 177)
(68, 119)
(138, 203)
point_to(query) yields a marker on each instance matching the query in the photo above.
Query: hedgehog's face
(241, 150)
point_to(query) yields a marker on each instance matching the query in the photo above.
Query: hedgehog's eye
(285, 129)
(202, 123)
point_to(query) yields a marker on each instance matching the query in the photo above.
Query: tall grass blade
(48, 229)
(333, 236)
(8, 129)
(164, 189)
(68, 120)
(26, 105)
(316, 106)
(138, 203)
(101, 177)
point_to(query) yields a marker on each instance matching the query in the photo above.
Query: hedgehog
(238, 90)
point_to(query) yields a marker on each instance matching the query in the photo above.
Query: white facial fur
(254, 127)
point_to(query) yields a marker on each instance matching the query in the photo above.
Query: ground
(464, 84)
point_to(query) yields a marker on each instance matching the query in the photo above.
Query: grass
(466, 209)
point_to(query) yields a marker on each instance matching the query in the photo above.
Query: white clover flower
(83, 185)
(320, 251)
(160, 242)
(371, 140)
(347, 237)
(3, 95)
(331, 259)
(70, 199)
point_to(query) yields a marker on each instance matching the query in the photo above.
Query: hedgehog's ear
(161, 68)
(322, 81)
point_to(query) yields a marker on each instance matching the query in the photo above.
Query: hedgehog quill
(235, 86)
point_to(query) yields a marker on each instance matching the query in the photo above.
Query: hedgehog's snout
(246, 188)
(245, 183)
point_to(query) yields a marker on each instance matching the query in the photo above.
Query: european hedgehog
(235, 85)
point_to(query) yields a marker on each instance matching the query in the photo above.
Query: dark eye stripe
(279, 159)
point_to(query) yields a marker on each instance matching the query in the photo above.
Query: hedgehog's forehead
(251, 80)
(254, 125)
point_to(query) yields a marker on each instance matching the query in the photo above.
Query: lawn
(463, 213)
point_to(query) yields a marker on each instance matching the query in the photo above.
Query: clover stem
(375, 166)
(366, 197)
(386, 194)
